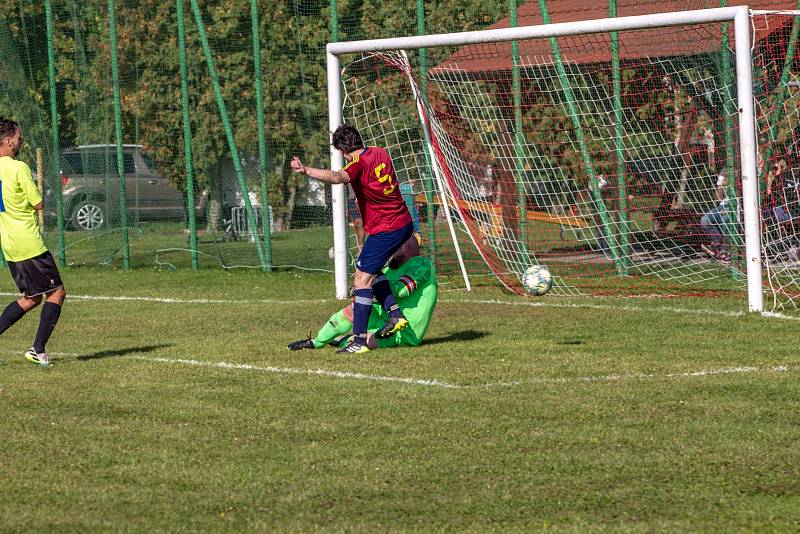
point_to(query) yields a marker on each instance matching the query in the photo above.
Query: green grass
(570, 415)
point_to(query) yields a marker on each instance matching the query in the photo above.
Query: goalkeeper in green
(413, 281)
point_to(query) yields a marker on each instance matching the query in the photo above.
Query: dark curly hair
(347, 139)
(8, 128)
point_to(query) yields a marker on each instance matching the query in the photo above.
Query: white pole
(435, 166)
(338, 196)
(657, 20)
(747, 142)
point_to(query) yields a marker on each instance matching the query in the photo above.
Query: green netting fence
(109, 92)
(162, 131)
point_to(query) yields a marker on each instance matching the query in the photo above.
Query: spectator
(715, 221)
(779, 235)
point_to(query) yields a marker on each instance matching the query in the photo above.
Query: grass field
(173, 405)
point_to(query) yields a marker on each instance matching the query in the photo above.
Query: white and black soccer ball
(537, 280)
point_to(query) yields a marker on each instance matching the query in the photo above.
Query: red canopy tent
(633, 44)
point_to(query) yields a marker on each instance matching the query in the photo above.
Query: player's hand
(297, 165)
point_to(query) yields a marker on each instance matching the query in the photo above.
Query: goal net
(614, 159)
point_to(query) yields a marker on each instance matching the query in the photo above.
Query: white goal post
(741, 18)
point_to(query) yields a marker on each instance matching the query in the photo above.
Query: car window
(127, 163)
(149, 161)
(72, 164)
(97, 162)
(105, 162)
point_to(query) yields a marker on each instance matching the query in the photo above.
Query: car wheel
(89, 215)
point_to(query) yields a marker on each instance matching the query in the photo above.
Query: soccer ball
(537, 280)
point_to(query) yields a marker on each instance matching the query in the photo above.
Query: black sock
(47, 322)
(10, 315)
(383, 293)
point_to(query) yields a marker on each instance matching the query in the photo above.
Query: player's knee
(57, 296)
(362, 280)
(28, 303)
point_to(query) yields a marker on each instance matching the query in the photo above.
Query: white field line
(672, 309)
(293, 371)
(687, 374)
(548, 304)
(446, 385)
(164, 300)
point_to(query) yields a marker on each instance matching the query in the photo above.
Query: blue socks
(362, 307)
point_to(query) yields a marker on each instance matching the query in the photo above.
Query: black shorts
(37, 275)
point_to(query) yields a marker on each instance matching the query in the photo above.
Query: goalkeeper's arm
(412, 277)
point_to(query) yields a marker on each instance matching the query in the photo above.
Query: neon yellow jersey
(19, 225)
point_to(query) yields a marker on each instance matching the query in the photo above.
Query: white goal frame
(740, 16)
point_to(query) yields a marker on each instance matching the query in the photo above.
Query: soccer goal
(638, 156)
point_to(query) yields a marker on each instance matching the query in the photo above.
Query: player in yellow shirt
(31, 264)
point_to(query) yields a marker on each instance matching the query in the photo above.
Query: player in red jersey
(387, 221)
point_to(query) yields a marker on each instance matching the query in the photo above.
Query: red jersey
(377, 191)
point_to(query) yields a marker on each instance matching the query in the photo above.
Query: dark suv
(90, 186)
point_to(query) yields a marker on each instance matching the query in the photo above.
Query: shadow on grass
(121, 352)
(571, 342)
(466, 335)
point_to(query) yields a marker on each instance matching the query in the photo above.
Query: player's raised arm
(323, 175)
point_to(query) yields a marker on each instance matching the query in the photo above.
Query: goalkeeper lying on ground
(413, 282)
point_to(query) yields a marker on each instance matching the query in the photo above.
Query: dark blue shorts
(378, 248)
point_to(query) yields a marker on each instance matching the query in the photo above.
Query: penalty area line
(295, 371)
(447, 385)
(668, 376)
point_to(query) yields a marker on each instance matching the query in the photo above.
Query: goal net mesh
(622, 181)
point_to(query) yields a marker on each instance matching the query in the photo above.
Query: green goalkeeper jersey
(414, 287)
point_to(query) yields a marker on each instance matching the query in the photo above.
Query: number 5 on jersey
(384, 178)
